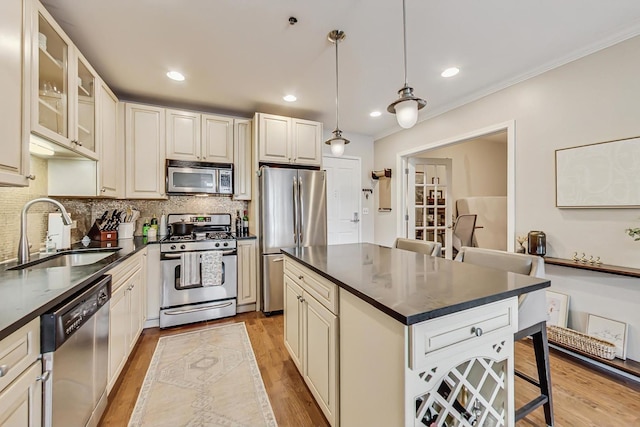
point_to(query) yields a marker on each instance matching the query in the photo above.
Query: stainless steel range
(199, 269)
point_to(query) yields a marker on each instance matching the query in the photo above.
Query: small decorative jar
(537, 243)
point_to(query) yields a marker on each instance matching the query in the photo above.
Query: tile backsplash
(85, 211)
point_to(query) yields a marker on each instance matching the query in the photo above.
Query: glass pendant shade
(407, 113)
(337, 142)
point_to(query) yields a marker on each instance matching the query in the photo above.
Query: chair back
(419, 246)
(532, 307)
(463, 231)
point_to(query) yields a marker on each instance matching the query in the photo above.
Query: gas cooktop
(210, 232)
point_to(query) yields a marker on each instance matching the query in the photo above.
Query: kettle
(537, 243)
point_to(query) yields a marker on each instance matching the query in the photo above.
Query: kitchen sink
(68, 259)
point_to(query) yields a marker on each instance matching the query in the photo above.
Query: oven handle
(195, 310)
(232, 252)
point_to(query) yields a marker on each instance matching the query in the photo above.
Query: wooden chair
(532, 318)
(420, 246)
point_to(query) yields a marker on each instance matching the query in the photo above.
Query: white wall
(590, 100)
(361, 146)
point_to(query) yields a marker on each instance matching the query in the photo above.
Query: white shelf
(84, 129)
(83, 90)
(49, 107)
(53, 60)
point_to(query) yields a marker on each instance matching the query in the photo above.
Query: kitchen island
(386, 337)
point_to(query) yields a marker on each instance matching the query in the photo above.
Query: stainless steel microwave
(199, 177)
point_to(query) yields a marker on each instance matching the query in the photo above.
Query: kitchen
(85, 212)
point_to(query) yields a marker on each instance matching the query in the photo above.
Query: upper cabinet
(14, 144)
(199, 137)
(242, 156)
(64, 110)
(111, 164)
(288, 140)
(145, 152)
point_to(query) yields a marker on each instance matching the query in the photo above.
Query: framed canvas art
(609, 330)
(557, 308)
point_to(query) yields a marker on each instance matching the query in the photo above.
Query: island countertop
(411, 287)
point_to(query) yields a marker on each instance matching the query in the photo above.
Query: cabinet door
(306, 142)
(14, 144)
(119, 330)
(242, 159)
(50, 79)
(293, 320)
(274, 138)
(217, 139)
(109, 165)
(247, 272)
(320, 354)
(82, 89)
(183, 135)
(21, 402)
(136, 307)
(145, 152)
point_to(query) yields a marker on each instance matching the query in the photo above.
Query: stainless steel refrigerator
(293, 213)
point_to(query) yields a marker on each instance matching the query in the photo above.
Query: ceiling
(243, 56)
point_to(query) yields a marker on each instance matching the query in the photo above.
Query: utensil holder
(125, 230)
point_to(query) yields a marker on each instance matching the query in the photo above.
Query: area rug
(204, 378)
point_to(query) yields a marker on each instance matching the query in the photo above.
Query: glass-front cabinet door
(64, 111)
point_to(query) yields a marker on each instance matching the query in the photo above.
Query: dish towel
(212, 268)
(189, 268)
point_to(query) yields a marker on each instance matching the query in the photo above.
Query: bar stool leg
(541, 349)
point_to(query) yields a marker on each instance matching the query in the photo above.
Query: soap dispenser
(49, 244)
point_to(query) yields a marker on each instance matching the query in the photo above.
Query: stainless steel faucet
(23, 246)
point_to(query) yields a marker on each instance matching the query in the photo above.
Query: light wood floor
(582, 397)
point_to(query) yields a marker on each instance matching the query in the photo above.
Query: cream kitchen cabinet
(144, 152)
(14, 104)
(110, 165)
(311, 333)
(127, 311)
(63, 84)
(199, 137)
(288, 140)
(20, 377)
(242, 159)
(247, 273)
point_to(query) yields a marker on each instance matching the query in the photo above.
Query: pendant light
(337, 142)
(407, 105)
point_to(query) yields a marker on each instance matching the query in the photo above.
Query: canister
(537, 243)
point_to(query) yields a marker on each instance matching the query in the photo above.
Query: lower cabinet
(247, 274)
(127, 312)
(311, 335)
(20, 377)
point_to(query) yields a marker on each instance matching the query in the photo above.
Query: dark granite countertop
(411, 287)
(28, 293)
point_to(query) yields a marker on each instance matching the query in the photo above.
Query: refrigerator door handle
(300, 225)
(295, 210)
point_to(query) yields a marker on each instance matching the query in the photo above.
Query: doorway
(343, 199)
(505, 133)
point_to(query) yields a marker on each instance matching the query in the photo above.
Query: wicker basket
(582, 342)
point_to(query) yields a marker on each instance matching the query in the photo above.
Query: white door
(343, 199)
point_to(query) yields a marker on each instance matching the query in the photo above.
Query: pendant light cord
(404, 32)
(337, 86)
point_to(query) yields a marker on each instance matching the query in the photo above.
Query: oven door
(191, 180)
(173, 294)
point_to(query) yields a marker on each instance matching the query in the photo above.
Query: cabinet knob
(302, 299)
(31, 177)
(3, 370)
(476, 331)
(301, 277)
(298, 297)
(103, 189)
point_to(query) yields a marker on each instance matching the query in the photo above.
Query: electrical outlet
(365, 211)
(74, 224)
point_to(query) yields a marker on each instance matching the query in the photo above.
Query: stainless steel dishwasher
(75, 347)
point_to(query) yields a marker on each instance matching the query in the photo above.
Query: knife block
(96, 234)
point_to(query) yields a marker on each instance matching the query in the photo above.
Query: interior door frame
(402, 164)
(359, 160)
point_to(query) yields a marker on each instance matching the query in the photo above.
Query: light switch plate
(365, 211)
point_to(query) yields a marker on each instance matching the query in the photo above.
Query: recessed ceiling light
(290, 98)
(450, 72)
(375, 114)
(174, 75)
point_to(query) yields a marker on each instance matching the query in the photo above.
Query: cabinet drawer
(121, 272)
(18, 351)
(467, 326)
(324, 291)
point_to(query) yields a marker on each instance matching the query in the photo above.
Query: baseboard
(152, 323)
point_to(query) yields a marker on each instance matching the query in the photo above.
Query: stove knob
(225, 244)
(182, 246)
(173, 247)
(217, 245)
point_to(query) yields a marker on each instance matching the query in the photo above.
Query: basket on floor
(582, 342)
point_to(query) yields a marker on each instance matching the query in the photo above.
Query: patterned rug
(204, 378)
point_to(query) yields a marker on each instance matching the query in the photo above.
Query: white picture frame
(557, 308)
(609, 330)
